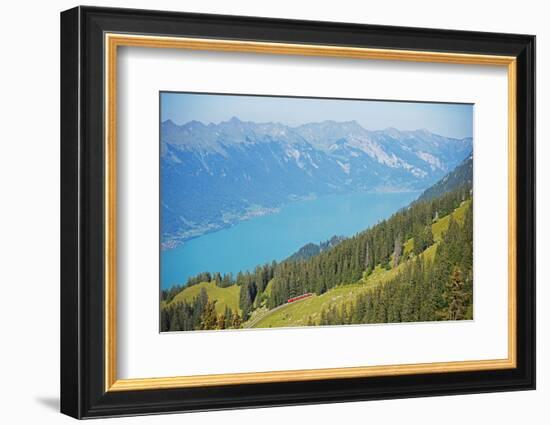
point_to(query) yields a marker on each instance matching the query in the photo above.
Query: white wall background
(29, 213)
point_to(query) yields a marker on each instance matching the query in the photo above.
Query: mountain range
(214, 175)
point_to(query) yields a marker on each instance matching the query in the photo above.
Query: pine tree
(209, 319)
(245, 300)
(426, 291)
(220, 324)
(228, 317)
(397, 248)
(236, 321)
(428, 237)
(367, 256)
(456, 295)
(164, 320)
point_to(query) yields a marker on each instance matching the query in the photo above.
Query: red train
(299, 297)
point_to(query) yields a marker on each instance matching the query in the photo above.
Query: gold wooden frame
(113, 41)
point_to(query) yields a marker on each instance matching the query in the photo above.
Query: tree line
(198, 314)
(356, 257)
(425, 290)
(445, 284)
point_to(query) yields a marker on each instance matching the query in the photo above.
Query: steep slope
(299, 313)
(380, 256)
(311, 249)
(215, 175)
(224, 297)
(462, 175)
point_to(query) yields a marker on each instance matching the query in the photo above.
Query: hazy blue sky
(451, 120)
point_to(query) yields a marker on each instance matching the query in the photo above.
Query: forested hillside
(311, 249)
(414, 266)
(463, 175)
(340, 301)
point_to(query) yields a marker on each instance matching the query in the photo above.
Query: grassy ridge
(440, 226)
(299, 313)
(309, 310)
(223, 296)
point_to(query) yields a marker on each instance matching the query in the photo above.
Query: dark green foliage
(201, 277)
(347, 262)
(438, 289)
(422, 238)
(247, 296)
(441, 289)
(209, 319)
(397, 250)
(460, 176)
(457, 296)
(305, 252)
(311, 249)
(236, 321)
(169, 294)
(227, 280)
(197, 314)
(228, 317)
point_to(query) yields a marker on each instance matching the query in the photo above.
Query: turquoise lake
(277, 236)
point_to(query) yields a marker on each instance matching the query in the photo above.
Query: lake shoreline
(176, 241)
(274, 237)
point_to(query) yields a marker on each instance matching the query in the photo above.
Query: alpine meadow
(291, 212)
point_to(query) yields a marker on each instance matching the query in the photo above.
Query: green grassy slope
(460, 176)
(299, 313)
(440, 226)
(223, 296)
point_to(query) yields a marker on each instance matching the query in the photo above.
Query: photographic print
(292, 212)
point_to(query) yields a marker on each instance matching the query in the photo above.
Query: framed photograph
(261, 212)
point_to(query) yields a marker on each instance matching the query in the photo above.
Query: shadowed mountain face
(462, 175)
(215, 175)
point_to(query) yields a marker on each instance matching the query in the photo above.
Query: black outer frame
(82, 219)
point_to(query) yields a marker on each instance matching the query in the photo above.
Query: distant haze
(216, 175)
(447, 119)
